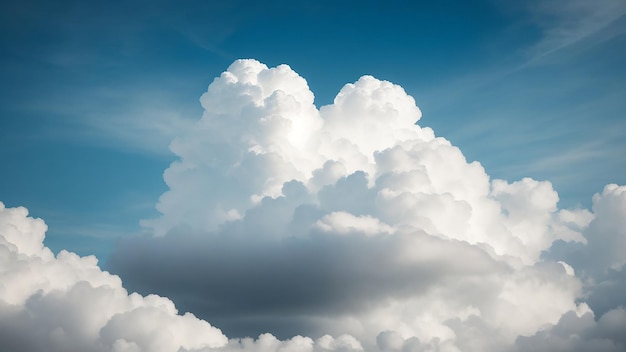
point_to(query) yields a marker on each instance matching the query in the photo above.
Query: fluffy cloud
(349, 224)
(67, 303)
(576, 332)
(351, 219)
(601, 260)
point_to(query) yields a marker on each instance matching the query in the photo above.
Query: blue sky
(301, 206)
(94, 92)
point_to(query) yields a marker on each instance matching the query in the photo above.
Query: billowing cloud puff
(67, 303)
(352, 219)
(601, 260)
(261, 129)
(576, 332)
(343, 228)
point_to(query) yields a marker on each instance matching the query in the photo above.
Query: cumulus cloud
(576, 332)
(601, 260)
(351, 219)
(343, 228)
(67, 303)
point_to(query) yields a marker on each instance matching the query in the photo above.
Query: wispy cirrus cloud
(564, 23)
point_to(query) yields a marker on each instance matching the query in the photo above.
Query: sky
(313, 175)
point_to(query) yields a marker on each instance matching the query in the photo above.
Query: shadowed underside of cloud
(348, 221)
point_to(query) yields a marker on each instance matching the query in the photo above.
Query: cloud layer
(350, 224)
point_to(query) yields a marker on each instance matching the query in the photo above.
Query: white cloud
(428, 248)
(344, 223)
(349, 224)
(363, 155)
(66, 303)
(606, 235)
(580, 332)
(601, 260)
